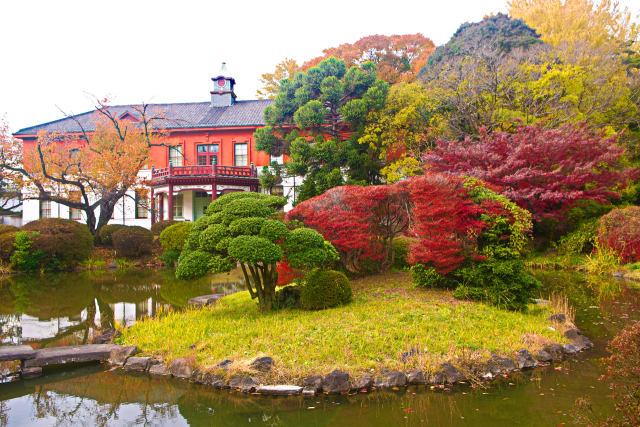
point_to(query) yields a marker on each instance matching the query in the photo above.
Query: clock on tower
(222, 94)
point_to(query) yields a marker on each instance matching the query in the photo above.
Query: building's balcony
(212, 171)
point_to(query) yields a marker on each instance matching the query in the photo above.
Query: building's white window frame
(240, 158)
(178, 206)
(45, 209)
(175, 155)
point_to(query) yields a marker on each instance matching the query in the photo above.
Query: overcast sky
(56, 53)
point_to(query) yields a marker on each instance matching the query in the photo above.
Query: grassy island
(388, 318)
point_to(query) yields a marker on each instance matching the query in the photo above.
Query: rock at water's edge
(336, 382)
(525, 359)
(416, 378)
(160, 369)
(119, 355)
(137, 364)
(279, 390)
(262, 364)
(363, 383)
(182, 368)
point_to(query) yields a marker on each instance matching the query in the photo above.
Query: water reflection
(67, 309)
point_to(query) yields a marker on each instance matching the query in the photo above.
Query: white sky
(55, 53)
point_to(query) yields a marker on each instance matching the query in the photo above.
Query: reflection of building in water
(24, 328)
(126, 313)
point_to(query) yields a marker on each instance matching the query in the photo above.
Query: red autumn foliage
(361, 222)
(543, 170)
(286, 274)
(620, 231)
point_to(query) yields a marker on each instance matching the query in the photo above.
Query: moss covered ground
(388, 319)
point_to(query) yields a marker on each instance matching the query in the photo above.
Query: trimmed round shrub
(246, 226)
(324, 289)
(619, 230)
(158, 227)
(174, 236)
(6, 246)
(192, 264)
(211, 236)
(305, 248)
(64, 242)
(133, 242)
(254, 249)
(274, 230)
(4, 228)
(105, 234)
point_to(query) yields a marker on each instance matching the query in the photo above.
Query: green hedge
(132, 242)
(324, 289)
(64, 242)
(160, 226)
(174, 236)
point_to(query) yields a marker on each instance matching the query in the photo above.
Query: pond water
(68, 308)
(93, 395)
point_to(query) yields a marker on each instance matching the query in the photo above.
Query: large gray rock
(16, 352)
(500, 365)
(525, 360)
(396, 379)
(570, 349)
(452, 374)
(314, 382)
(137, 364)
(544, 356)
(336, 382)
(578, 340)
(160, 370)
(279, 390)
(119, 355)
(362, 383)
(107, 336)
(182, 368)
(560, 318)
(262, 364)
(245, 385)
(556, 352)
(71, 354)
(416, 378)
(204, 300)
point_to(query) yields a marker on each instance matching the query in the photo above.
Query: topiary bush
(105, 234)
(158, 227)
(174, 236)
(243, 228)
(6, 246)
(324, 289)
(4, 228)
(132, 242)
(24, 258)
(619, 230)
(64, 242)
(193, 264)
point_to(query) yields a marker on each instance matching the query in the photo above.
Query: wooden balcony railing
(207, 170)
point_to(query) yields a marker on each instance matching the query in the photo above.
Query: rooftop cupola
(222, 94)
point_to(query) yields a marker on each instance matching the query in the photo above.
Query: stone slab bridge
(32, 361)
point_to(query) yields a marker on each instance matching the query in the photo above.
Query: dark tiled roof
(177, 116)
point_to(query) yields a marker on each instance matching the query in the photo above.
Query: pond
(93, 395)
(68, 308)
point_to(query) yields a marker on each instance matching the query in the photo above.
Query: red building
(212, 152)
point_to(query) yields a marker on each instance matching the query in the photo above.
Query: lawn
(387, 318)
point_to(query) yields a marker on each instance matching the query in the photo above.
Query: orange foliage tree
(86, 170)
(398, 58)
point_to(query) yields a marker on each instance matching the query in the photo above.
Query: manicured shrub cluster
(619, 230)
(105, 235)
(174, 236)
(325, 289)
(159, 226)
(244, 228)
(457, 225)
(63, 242)
(172, 239)
(132, 242)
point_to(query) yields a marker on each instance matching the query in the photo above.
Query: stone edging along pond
(341, 382)
(123, 357)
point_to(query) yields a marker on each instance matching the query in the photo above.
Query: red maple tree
(543, 170)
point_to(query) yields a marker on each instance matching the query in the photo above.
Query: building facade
(210, 152)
